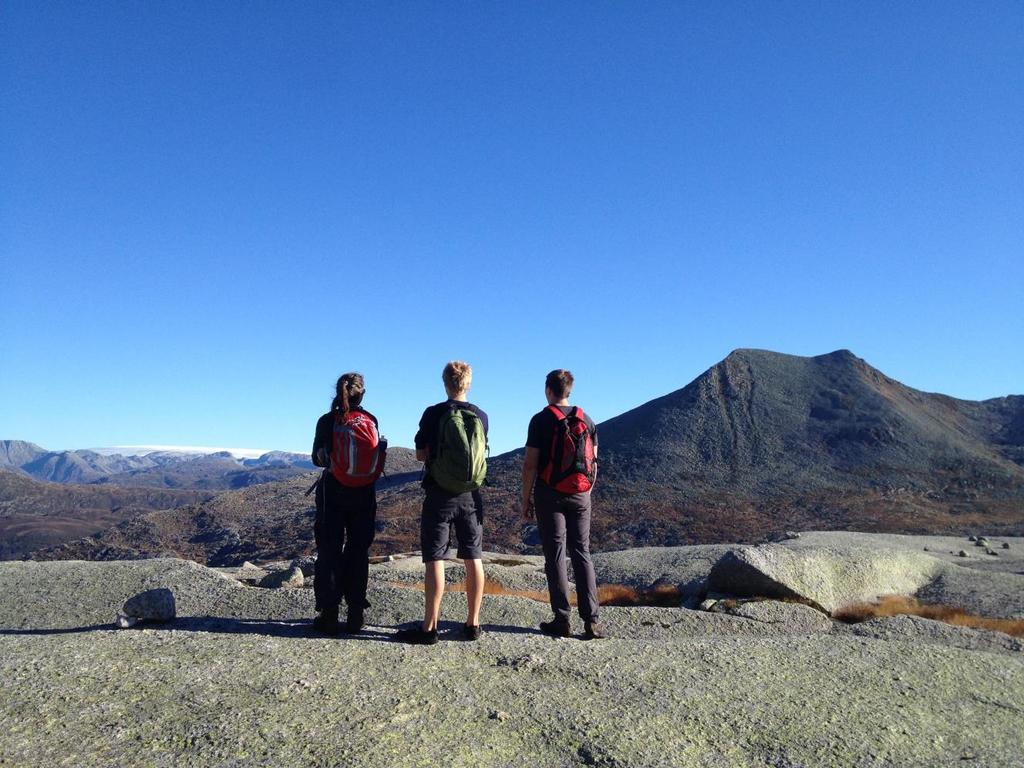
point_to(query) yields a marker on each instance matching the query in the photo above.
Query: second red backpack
(572, 467)
(357, 452)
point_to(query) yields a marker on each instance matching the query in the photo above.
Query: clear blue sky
(210, 210)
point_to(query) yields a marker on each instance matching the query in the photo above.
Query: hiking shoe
(327, 622)
(556, 628)
(471, 631)
(417, 636)
(355, 621)
(593, 631)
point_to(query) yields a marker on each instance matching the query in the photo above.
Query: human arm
(321, 454)
(529, 478)
(423, 436)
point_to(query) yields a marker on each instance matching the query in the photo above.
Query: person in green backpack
(452, 440)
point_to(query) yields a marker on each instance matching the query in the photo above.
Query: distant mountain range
(758, 443)
(156, 469)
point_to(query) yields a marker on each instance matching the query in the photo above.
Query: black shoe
(471, 631)
(593, 631)
(327, 622)
(556, 628)
(355, 621)
(417, 636)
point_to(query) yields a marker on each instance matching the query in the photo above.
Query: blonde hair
(457, 376)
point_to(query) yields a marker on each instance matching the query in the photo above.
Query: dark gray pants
(564, 523)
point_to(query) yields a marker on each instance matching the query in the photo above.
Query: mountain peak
(753, 353)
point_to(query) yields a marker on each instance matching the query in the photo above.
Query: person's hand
(527, 509)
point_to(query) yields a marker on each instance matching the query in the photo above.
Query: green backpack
(461, 461)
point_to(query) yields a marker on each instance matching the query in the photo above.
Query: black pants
(344, 531)
(564, 523)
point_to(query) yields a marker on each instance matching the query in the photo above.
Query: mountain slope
(762, 424)
(761, 442)
(35, 514)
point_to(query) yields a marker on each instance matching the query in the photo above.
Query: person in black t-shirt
(442, 509)
(563, 519)
(345, 523)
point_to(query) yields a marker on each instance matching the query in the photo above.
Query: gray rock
(286, 579)
(794, 618)
(984, 593)
(908, 692)
(981, 542)
(1006, 545)
(529, 661)
(990, 551)
(918, 629)
(972, 538)
(151, 605)
(824, 577)
(962, 553)
(306, 564)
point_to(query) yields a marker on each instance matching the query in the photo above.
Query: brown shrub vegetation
(896, 605)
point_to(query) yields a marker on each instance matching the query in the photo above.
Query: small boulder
(1006, 545)
(962, 553)
(972, 538)
(151, 605)
(306, 564)
(990, 551)
(822, 577)
(981, 542)
(286, 579)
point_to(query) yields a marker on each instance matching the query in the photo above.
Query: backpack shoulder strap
(557, 412)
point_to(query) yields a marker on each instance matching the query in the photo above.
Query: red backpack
(357, 452)
(572, 467)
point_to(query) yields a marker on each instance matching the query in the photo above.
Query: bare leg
(432, 594)
(474, 590)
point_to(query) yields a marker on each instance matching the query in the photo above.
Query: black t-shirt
(542, 432)
(324, 437)
(426, 436)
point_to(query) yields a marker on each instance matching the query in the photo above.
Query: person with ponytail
(348, 446)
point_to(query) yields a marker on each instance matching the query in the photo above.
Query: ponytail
(348, 391)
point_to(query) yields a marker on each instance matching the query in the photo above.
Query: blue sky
(210, 210)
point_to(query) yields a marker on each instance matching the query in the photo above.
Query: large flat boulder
(825, 577)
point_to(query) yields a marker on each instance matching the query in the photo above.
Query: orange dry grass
(607, 594)
(895, 605)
